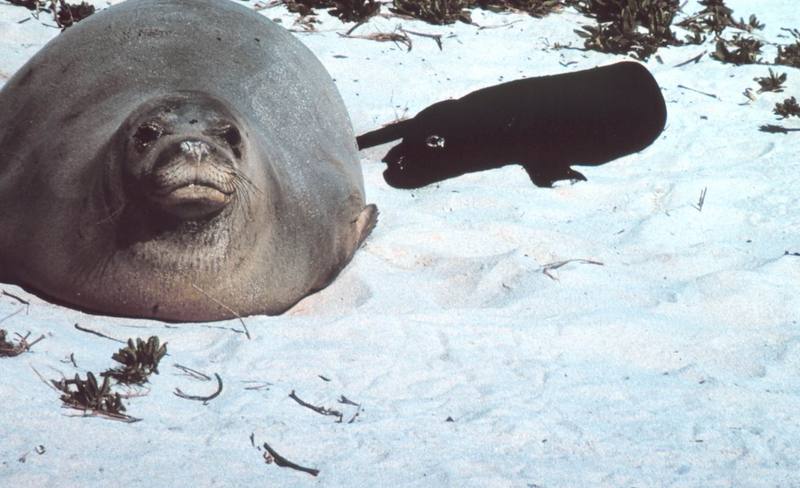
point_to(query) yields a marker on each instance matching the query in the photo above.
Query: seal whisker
(113, 216)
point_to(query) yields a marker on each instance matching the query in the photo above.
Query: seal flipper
(365, 222)
(544, 177)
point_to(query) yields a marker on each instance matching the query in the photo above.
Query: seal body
(177, 159)
(546, 124)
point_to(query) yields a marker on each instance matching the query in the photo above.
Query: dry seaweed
(306, 7)
(637, 27)
(771, 83)
(790, 55)
(90, 397)
(69, 13)
(777, 129)
(11, 349)
(29, 4)
(139, 360)
(355, 10)
(716, 17)
(434, 11)
(787, 108)
(535, 8)
(739, 50)
(346, 10)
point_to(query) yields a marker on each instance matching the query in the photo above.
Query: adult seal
(177, 159)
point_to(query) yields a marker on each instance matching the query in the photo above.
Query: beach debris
(771, 83)
(320, 410)
(399, 37)
(636, 27)
(355, 10)
(701, 201)
(346, 10)
(40, 449)
(777, 129)
(789, 55)
(716, 17)
(204, 399)
(15, 297)
(229, 309)
(92, 398)
(438, 12)
(139, 360)
(271, 456)
(192, 372)
(535, 8)
(739, 50)
(11, 349)
(67, 14)
(548, 268)
(98, 334)
(787, 108)
(346, 401)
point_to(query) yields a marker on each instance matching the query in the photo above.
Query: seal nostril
(197, 150)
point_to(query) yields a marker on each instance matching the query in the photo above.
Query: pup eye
(231, 135)
(146, 134)
(434, 141)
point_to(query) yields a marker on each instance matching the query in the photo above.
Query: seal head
(183, 157)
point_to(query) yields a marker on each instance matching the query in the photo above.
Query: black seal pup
(545, 124)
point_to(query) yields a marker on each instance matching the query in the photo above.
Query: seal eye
(146, 134)
(435, 142)
(231, 135)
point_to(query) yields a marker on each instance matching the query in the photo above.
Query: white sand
(675, 363)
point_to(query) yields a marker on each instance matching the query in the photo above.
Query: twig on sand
(547, 268)
(435, 37)
(10, 315)
(15, 297)
(272, 4)
(353, 29)
(49, 385)
(227, 308)
(193, 372)
(777, 129)
(320, 410)
(273, 457)
(700, 92)
(396, 37)
(204, 399)
(70, 360)
(692, 60)
(497, 26)
(702, 200)
(346, 401)
(99, 334)
(9, 349)
(257, 385)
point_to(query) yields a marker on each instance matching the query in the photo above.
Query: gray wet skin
(177, 159)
